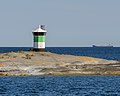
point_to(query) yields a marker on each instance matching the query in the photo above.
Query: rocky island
(28, 63)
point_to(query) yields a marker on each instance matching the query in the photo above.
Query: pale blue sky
(68, 22)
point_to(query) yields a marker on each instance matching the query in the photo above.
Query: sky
(69, 23)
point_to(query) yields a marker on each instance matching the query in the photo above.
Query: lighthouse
(39, 36)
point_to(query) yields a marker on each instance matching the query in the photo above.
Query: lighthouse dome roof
(40, 29)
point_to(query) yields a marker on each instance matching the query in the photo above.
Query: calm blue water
(105, 53)
(64, 85)
(60, 86)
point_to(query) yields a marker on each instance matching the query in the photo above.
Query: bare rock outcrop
(45, 63)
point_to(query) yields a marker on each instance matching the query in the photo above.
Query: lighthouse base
(38, 50)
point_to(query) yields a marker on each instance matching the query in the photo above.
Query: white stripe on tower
(39, 45)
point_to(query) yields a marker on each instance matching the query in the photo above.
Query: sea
(63, 85)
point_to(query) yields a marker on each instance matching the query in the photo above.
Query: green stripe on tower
(39, 38)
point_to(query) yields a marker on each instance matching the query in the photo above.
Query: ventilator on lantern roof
(40, 29)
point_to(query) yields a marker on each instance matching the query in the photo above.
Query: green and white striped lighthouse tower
(39, 38)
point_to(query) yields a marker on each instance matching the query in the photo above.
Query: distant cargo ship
(102, 46)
